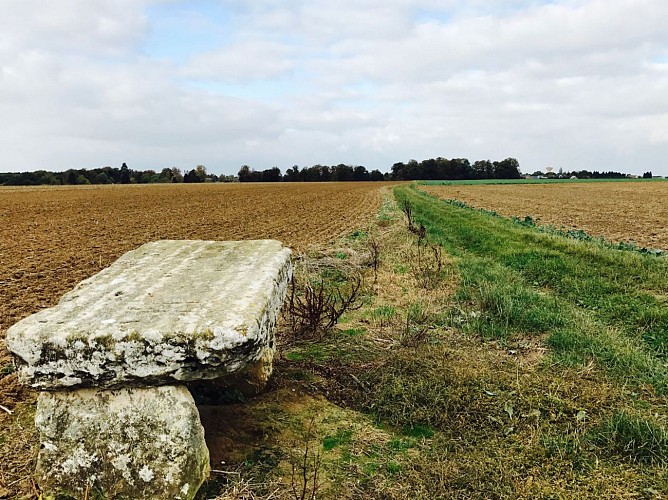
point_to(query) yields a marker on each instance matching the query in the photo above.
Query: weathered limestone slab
(125, 443)
(167, 311)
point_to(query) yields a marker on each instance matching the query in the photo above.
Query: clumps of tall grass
(433, 388)
(407, 392)
(587, 341)
(383, 315)
(635, 437)
(415, 329)
(426, 264)
(500, 304)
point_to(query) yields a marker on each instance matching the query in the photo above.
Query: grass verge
(595, 302)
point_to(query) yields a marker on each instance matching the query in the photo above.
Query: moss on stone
(134, 336)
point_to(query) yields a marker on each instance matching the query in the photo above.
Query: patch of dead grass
(18, 450)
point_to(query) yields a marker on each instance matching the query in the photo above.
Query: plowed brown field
(52, 238)
(619, 211)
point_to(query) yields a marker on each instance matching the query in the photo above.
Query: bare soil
(619, 211)
(51, 238)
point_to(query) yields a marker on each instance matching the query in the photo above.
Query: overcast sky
(568, 83)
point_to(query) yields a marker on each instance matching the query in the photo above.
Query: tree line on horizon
(316, 173)
(112, 175)
(430, 169)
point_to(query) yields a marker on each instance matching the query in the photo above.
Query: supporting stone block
(126, 443)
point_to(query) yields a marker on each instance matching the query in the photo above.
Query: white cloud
(573, 83)
(242, 62)
(75, 26)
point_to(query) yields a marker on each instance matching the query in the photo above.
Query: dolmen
(113, 360)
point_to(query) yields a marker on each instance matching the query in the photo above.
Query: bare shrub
(306, 467)
(314, 308)
(429, 267)
(421, 232)
(407, 209)
(374, 256)
(237, 487)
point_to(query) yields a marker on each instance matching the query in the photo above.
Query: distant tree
(647, 175)
(398, 171)
(102, 178)
(507, 169)
(48, 178)
(360, 173)
(342, 172)
(483, 169)
(313, 173)
(125, 174)
(150, 177)
(192, 177)
(376, 175)
(292, 174)
(584, 174)
(70, 177)
(413, 170)
(460, 169)
(177, 176)
(433, 169)
(324, 173)
(244, 174)
(200, 172)
(165, 175)
(271, 175)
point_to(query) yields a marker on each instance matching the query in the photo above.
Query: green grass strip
(592, 301)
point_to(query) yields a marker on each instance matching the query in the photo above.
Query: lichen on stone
(128, 443)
